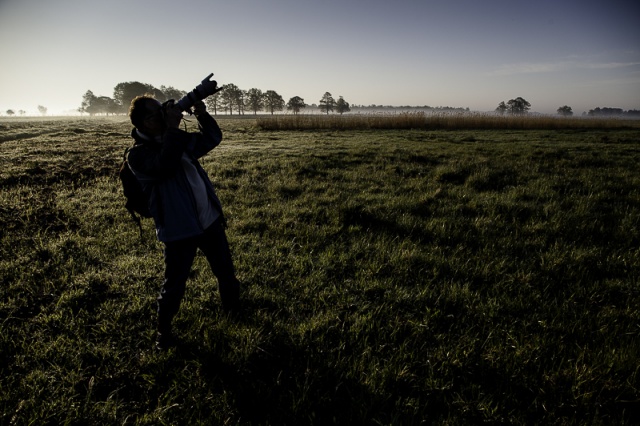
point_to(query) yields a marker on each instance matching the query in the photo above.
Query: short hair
(138, 109)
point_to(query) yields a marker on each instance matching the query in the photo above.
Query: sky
(459, 53)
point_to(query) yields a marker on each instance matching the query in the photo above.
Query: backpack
(137, 200)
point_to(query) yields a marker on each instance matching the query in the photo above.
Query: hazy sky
(461, 53)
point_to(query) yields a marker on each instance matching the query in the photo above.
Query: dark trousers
(178, 259)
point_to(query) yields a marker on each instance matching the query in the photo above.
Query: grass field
(412, 276)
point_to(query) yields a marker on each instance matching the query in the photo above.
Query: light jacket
(157, 165)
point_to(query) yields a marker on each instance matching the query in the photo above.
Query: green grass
(390, 277)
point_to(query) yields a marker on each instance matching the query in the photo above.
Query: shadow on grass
(359, 217)
(286, 384)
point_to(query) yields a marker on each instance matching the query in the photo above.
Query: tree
(327, 103)
(295, 104)
(42, 110)
(92, 104)
(22, 112)
(342, 106)
(10, 112)
(565, 111)
(241, 98)
(213, 102)
(273, 101)
(106, 105)
(123, 93)
(171, 93)
(518, 106)
(231, 97)
(502, 108)
(255, 100)
(88, 99)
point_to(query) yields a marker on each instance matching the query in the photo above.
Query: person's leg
(178, 258)
(215, 247)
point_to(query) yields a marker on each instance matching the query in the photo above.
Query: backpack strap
(135, 218)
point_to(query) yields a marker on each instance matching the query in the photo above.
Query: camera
(206, 88)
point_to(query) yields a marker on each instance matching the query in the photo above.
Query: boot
(165, 338)
(165, 341)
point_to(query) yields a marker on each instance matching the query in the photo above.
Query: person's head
(145, 113)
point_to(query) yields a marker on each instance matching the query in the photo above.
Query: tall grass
(439, 121)
(389, 277)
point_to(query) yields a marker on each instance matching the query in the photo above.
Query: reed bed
(442, 121)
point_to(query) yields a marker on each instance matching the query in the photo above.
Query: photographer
(183, 203)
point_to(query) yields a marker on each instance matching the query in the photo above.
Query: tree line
(231, 99)
(519, 106)
(613, 112)
(41, 109)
